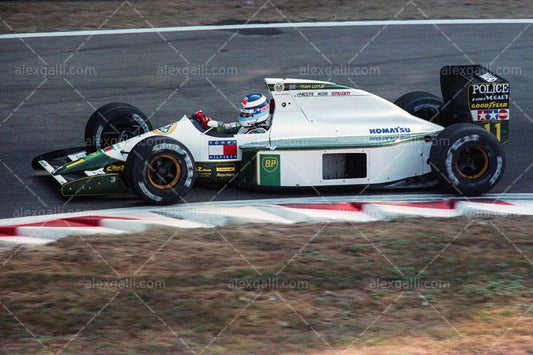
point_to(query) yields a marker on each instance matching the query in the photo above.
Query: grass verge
(425, 286)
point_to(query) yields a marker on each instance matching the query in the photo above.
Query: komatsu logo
(389, 130)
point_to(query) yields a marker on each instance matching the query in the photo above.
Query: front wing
(104, 181)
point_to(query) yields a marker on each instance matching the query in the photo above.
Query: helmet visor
(246, 113)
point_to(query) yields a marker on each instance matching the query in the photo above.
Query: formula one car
(322, 134)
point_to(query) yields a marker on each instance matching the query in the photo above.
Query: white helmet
(254, 109)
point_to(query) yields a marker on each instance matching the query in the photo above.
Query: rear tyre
(467, 159)
(421, 104)
(160, 170)
(113, 123)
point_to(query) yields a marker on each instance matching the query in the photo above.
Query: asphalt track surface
(172, 73)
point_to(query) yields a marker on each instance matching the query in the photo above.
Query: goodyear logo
(270, 163)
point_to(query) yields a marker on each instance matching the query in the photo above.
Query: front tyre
(467, 159)
(160, 170)
(113, 123)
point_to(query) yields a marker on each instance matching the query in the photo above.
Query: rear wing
(472, 93)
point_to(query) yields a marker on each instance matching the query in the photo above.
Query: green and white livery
(321, 134)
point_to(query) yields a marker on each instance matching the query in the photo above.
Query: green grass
(352, 284)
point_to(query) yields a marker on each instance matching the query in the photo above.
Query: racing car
(322, 134)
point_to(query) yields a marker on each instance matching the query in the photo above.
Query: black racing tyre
(160, 170)
(421, 104)
(467, 159)
(113, 123)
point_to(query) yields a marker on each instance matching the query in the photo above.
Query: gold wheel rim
(472, 155)
(164, 172)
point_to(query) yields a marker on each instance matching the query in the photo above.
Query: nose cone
(92, 161)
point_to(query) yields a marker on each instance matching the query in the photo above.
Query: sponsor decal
(95, 172)
(203, 172)
(485, 96)
(279, 86)
(305, 94)
(270, 163)
(269, 170)
(114, 168)
(225, 175)
(385, 139)
(222, 149)
(310, 86)
(230, 125)
(490, 115)
(225, 168)
(488, 77)
(489, 88)
(482, 115)
(323, 93)
(77, 156)
(166, 129)
(215, 170)
(503, 114)
(84, 159)
(116, 147)
(389, 130)
(489, 105)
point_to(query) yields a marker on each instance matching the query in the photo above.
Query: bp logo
(270, 163)
(269, 174)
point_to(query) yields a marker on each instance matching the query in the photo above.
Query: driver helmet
(254, 109)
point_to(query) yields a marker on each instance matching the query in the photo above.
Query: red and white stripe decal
(42, 230)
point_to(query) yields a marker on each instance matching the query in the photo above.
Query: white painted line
(488, 209)
(61, 232)
(317, 215)
(388, 212)
(222, 216)
(150, 219)
(266, 25)
(23, 240)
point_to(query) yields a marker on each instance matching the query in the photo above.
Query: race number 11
(498, 128)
